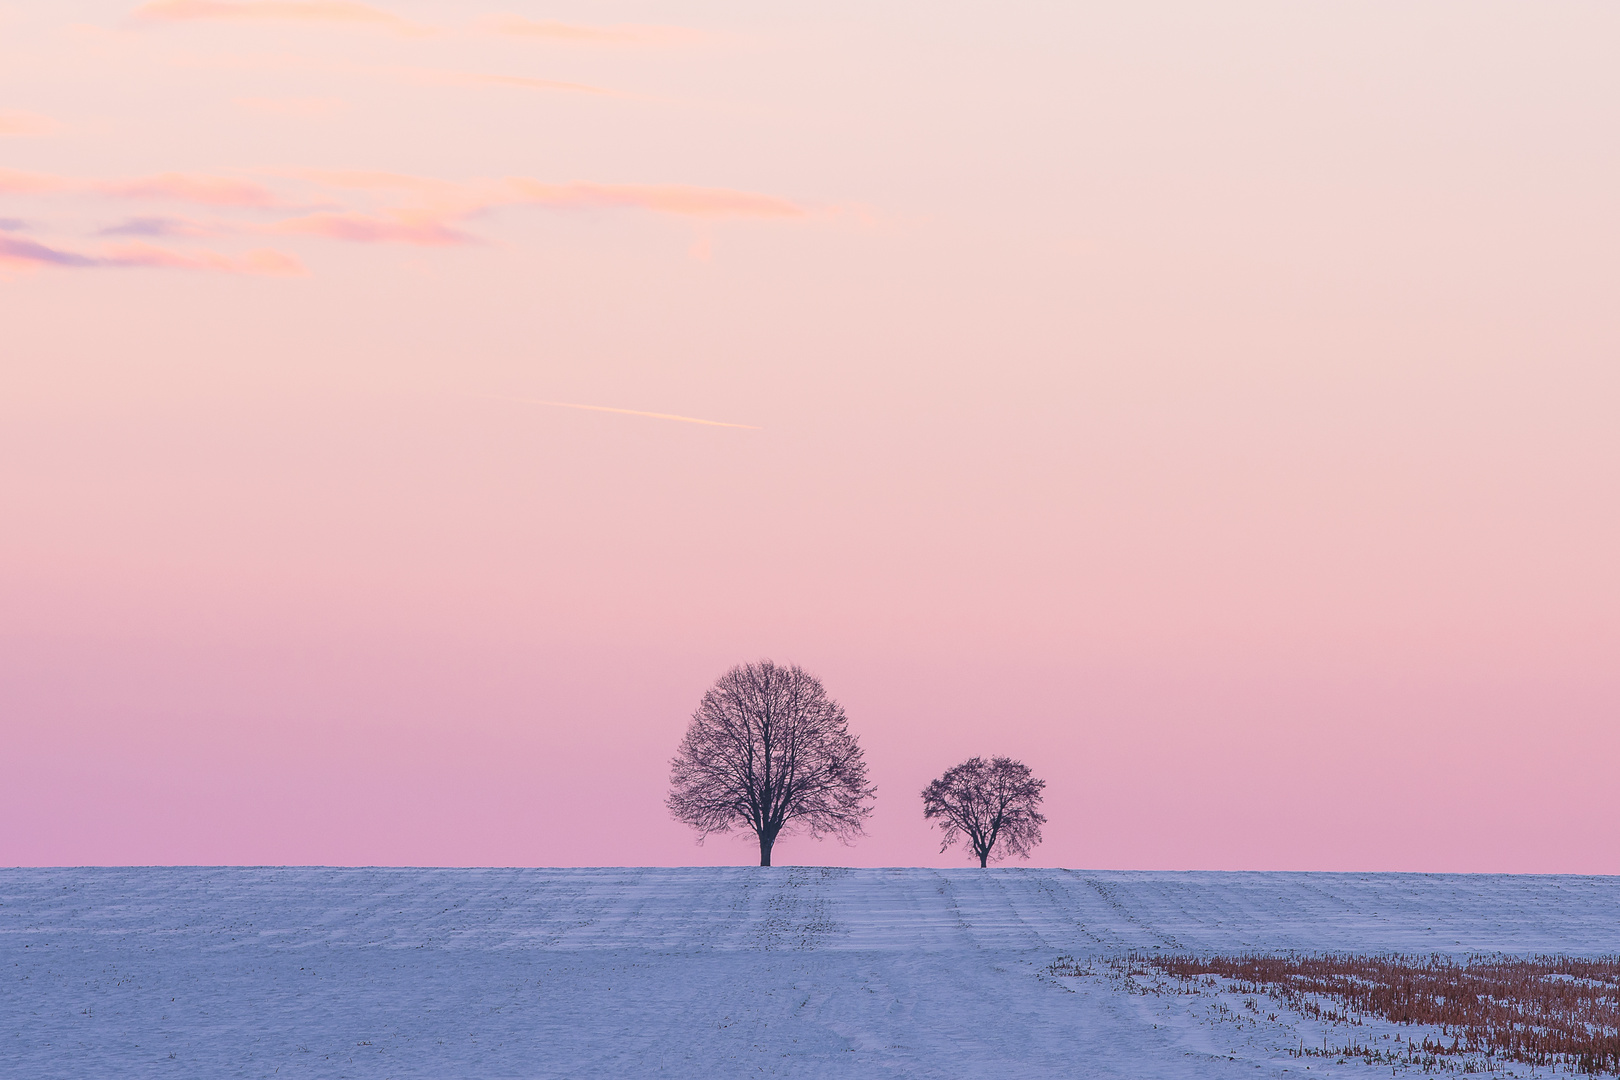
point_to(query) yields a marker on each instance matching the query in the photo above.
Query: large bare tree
(994, 804)
(768, 750)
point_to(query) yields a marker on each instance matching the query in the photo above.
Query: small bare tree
(767, 749)
(994, 804)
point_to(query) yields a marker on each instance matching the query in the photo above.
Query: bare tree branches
(768, 749)
(994, 805)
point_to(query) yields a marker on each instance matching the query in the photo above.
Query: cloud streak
(632, 412)
(197, 188)
(261, 262)
(201, 188)
(373, 207)
(452, 199)
(430, 211)
(16, 182)
(160, 226)
(431, 204)
(18, 251)
(395, 227)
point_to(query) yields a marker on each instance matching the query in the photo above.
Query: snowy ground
(700, 972)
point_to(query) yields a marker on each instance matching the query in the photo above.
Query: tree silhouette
(767, 749)
(993, 804)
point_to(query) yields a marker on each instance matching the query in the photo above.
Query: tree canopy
(994, 805)
(768, 750)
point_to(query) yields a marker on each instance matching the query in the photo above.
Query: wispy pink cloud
(164, 226)
(403, 209)
(433, 208)
(304, 11)
(19, 252)
(423, 228)
(574, 34)
(198, 188)
(262, 261)
(15, 182)
(473, 196)
(17, 122)
(203, 189)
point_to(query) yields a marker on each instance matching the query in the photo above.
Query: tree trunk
(984, 859)
(765, 844)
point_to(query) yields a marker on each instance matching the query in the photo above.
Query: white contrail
(630, 412)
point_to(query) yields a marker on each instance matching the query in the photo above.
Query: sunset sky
(408, 409)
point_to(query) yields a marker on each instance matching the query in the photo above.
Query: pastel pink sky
(1214, 406)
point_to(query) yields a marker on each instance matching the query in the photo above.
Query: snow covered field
(698, 972)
